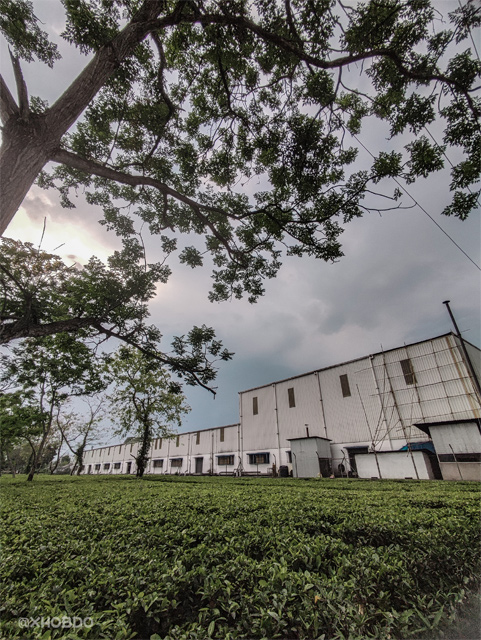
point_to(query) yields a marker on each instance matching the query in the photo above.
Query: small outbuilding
(395, 465)
(458, 447)
(311, 457)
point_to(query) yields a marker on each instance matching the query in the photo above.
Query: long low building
(357, 418)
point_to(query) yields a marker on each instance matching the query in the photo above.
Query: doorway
(199, 463)
(351, 451)
(129, 467)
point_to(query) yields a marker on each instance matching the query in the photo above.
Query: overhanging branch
(93, 167)
(292, 48)
(20, 330)
(151, 354)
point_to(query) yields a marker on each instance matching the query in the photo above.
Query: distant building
(375, 416)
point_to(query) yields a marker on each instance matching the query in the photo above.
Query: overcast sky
(387, 290)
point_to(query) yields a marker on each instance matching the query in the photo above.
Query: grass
(196, 557)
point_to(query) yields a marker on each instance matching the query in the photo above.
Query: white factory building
(413, 411)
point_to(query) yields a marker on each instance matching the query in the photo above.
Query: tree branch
(151, 354)
(66, 110)
(21, 87)
(22, 330)
(8, 106)
(292, 48)
(93, 167)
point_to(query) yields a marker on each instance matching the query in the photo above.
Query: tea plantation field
(197, 558)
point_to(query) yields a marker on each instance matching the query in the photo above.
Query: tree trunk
(30, 462)
(29, 140)
(37, 456)
(80, 458)
(11, 463)
(23, 154)
(143, 455)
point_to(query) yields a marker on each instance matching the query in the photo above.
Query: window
(346, 391)
(156, 444)
(108, 452)
(97, 467)
(408, 371)
(255, 406)
(176, 462)
(289, 456)
(197, 439)
(258, 458)
(158, 464)
(225, 460)
(160, 442)
(459, 457)
(177, 440)
(106, 466)
(292, 398)
(116, 465)
(221, 434)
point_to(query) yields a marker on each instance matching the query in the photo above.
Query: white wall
(382, 408)
(394, 465)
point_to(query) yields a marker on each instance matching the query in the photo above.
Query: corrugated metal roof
(342, 364)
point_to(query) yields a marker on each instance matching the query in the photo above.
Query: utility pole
(467, 359)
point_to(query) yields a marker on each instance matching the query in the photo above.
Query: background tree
(184, 102)
(20, 420)
(144, 401)
(44, 373)
(79, 430)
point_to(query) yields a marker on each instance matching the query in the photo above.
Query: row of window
(222, 460)
(158, 441)
(406, 366)
(116, 465)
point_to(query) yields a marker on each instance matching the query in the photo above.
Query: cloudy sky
(387, 290)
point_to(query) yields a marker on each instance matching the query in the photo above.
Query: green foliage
(52, 368)
(43, 296)
(192, 558)
(194, 103)
(41, 375)
(143, 393)
(21, 29)
(144, 400)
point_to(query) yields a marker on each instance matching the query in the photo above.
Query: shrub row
(188, 559)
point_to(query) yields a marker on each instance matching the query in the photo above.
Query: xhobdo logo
(64, 622)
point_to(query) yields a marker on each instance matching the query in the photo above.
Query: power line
(445, 155)
(422, 208)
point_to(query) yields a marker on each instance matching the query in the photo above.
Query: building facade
(372, 405)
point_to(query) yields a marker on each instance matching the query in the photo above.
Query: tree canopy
(186, 105)
(144, 400)
(41, 374)
(42, 296)
(231, 120)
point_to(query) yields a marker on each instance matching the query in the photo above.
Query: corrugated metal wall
(373, 400)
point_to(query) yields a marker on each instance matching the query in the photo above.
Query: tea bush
(195, 558)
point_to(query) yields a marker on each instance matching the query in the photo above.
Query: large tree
(144, 400)
(183, 103)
